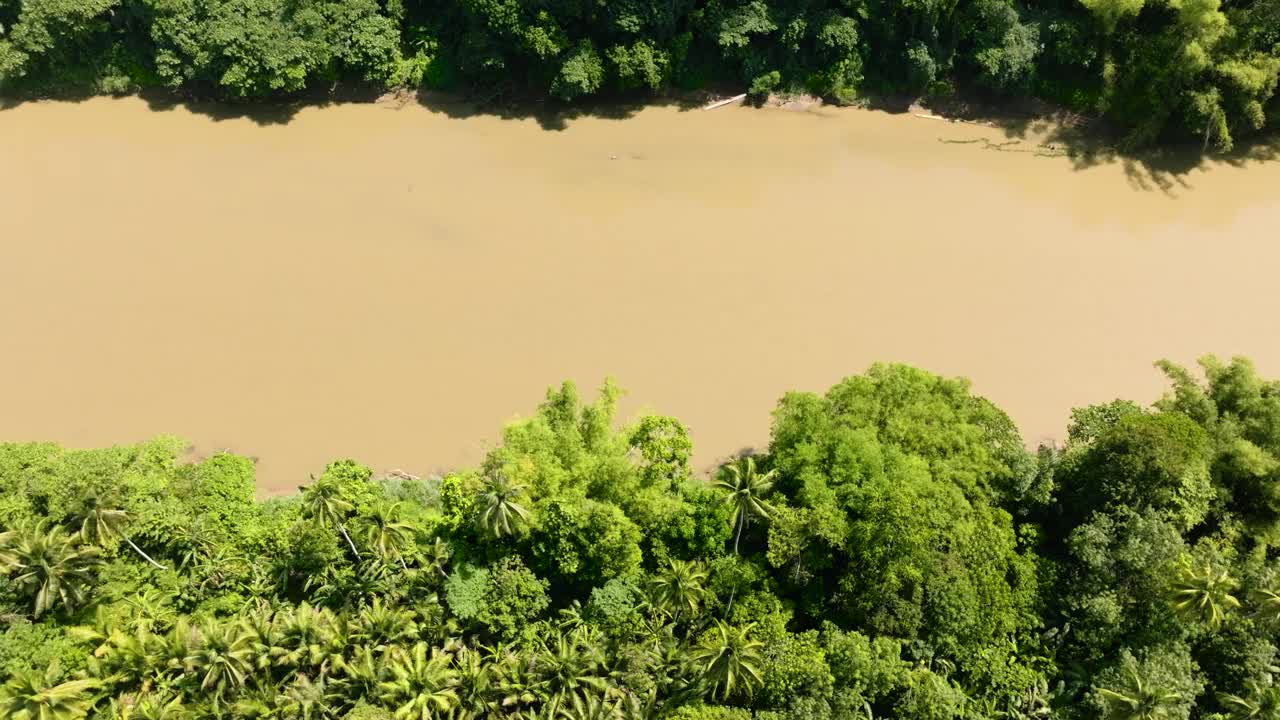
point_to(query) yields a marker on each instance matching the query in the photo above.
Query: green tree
(730, 660)
(100, 517)
(1203, 593)
(322, 502)
(48, 564)
(681, 589)
(500, 510)
(386, 533)
(421, 684)
(38, 696)
(746, 490)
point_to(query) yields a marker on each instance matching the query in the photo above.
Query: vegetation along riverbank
(895, 552)
(1159, 69)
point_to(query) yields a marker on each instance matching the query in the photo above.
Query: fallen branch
(722, 103)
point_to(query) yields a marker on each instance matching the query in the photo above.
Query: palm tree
(477, 687)
(1139, 700)
(313, 639)
(1263, 703)
(729, 660)
(592, 707)
(382, 625)
(1267, 604)
(1203, 594)
(153, 706)
(49, 564)
(681, 588)
(101, 517)
(421, 685)
(438, 556)
(385, 533)
(32, 695)
(570, 666)
(519, 683)
(307, 700)
(500, 513)
(746, 490)
(222, 659)
(323, 502)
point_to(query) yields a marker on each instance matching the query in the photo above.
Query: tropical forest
(1158, 70)
(895, 552)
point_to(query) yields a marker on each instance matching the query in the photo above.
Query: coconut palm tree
(1137, 699)
(385, 533)
(1262, 703)
(746, 490)
(681, 588)
(380, 625)
(1266, 603)
(422, 684)
(154, 706)
(100, 517)
(438, 556)
(49, 564)
(500, 512)
(222, 659)
(519, 684)
(592, 707)
(729, 659)
(1203, 594)
(322, 501)
(570, 666)
(33, 695)
(477, 687)
(313, 638)
(305, 699)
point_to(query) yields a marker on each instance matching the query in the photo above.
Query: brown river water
(392, 282)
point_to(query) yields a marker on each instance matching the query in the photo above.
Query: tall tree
(500, 512)
(100, 517)
(49, 564)
(681, 587)
(421, 684)
(730, 660)
(386, 533)
(322, 501)
(746, 490)
(33, 695)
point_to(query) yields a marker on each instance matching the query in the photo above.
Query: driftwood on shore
(722, 103)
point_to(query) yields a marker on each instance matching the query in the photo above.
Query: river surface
(392, 282)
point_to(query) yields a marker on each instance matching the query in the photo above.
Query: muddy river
(393, 281)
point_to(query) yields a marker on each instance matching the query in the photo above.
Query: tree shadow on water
(549, 114)
(1088, 142)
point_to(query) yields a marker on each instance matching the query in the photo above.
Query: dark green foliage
(1162, 69)
(897, 553)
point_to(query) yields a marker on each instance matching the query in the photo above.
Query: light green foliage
(901, 556)
(581, 73)
(1111, 12)
(664, 448)
(641, 64)
(869, 668)
(504, 598)
(909, 456)
(794, 666)
(1159, 684)
(586, 541)
(929, 696)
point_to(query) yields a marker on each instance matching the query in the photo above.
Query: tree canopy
(895, 552)
(1161, 69)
